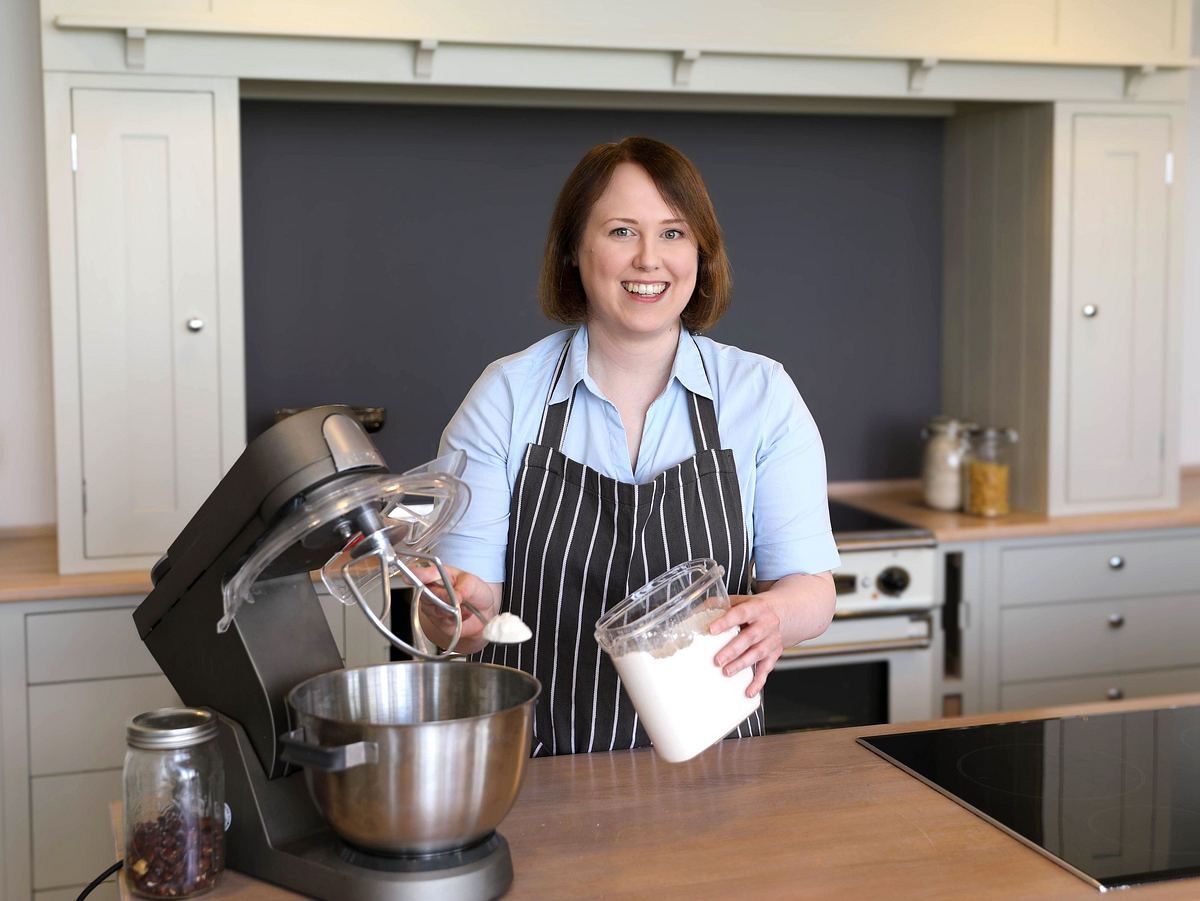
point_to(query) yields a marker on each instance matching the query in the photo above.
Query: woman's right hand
(439, 625)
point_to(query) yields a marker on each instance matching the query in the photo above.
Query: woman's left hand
(758, 644)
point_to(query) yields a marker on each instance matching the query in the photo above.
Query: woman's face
(637, 259)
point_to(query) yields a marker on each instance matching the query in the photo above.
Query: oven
(876, 661)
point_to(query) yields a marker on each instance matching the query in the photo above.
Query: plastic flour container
(658, 640)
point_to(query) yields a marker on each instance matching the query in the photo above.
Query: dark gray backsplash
(392, 251)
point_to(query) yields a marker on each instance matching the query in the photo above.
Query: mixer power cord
(99, 879)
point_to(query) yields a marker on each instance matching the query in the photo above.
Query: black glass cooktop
(850, 524)
(1114, 798)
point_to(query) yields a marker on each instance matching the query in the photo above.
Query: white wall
(26, 432)
(1189, 400)
(26, 415)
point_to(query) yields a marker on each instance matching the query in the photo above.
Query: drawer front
(106, 891)
(85, 644)
(1053, 641)
(1051, 692)
(1064, 572)
(1157, 633)
(1096, 637)
(76, 726)
(72, 832)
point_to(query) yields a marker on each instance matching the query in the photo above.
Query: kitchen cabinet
(146, 308)
(1062, 297)
(1077, 619)
(72, 672)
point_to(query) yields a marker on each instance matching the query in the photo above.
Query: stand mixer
(311, 493)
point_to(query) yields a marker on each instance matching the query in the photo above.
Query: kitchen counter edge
(901, 500)
(29, 559)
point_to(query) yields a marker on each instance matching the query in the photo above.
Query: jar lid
(993, 433)
(171, 727)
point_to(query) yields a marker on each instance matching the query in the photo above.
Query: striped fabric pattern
(580, 542)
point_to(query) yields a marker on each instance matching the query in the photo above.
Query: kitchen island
(811, 815)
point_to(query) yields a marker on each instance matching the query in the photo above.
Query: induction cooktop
(1114, 798)
(852, 526)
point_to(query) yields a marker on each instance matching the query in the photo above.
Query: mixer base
(424, 863)
(277, 835)
(484, 874)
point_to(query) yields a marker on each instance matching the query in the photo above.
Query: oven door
(863, 671)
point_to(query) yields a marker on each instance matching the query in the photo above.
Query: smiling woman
(596, 460)
(633, 248)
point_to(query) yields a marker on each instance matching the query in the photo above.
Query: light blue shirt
(761, 417)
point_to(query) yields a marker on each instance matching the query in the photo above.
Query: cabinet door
(147, 282)
(1117, 370)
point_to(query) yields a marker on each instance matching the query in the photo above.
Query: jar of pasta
(986, 470)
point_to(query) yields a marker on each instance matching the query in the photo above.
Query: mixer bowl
(413, 758)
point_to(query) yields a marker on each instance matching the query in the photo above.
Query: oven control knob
(893, 580)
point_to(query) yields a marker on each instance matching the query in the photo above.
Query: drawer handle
(1115, 694)
(1116, 561)
(1116, 621)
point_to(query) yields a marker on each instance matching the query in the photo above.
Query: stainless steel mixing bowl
(413, 758)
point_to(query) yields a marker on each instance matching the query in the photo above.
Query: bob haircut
(560, 289)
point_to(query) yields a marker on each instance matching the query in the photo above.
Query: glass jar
(174, 804)
(941, 469)
(987, 467)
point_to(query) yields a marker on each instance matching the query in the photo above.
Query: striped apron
(580, 542)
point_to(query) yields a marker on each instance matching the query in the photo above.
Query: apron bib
(580, 542)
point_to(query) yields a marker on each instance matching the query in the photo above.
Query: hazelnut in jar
(174, 804)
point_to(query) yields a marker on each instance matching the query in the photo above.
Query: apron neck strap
(553, 430)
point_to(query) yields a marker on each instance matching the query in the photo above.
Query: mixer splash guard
(400, 516)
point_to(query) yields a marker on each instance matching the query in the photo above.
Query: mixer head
(385, 523)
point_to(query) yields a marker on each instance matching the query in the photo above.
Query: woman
(606, 453)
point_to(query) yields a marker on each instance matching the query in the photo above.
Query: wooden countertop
(902, 500)
(811, 815)
(29, 562)
(29, 572)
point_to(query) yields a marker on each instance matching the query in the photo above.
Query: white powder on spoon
(506, 628)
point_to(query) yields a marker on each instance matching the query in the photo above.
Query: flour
(507, 628)
(683, 699)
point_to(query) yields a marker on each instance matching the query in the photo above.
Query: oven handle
(922, 612)
(833, 650)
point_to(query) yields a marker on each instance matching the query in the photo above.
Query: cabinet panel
(1062, 640)
(85, 644)
(1064, 572)
(1118, 258)
(1049, 692)
(72, 833)
(1099, 637)
(1158, 632)
(106, 891)
(146, 256)
(76, 726)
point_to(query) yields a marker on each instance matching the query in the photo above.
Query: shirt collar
(688, 368)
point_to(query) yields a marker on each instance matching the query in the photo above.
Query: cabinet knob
(1116, 621)
(1090, 310)
(1115, 694)
(195, 324)
(1116, 562)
